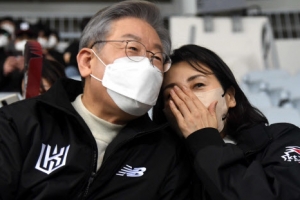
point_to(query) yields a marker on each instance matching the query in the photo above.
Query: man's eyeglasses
(136, 51)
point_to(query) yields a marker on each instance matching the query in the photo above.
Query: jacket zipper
(91, 179)
(94, 174)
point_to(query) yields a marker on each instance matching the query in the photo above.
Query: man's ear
(84, 58)
(230, 97)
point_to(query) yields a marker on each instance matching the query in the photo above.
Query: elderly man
(94, 139)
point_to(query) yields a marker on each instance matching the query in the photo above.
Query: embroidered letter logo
(51, 160)
(292, 153)
(128, 171)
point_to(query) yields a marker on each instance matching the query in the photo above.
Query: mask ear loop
(223, 118)
(98, 58)
(98, 79)
(101, 62)
(224, 93)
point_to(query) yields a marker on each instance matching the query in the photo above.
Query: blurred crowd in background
(13, 36)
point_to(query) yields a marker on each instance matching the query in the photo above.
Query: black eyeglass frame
(167, 61)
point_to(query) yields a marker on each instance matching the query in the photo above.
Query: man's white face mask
(133, 86)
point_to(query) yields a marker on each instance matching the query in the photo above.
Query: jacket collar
(140, 127)
(254, 139)
(62, 93)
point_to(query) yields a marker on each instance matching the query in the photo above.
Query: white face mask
(133, 86)
(215, 95)
(20, 46)
(43, 42)
(52, 41)
(9, 28)
(3, 41)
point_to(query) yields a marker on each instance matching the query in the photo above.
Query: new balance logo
(131, 172)
(50, 160)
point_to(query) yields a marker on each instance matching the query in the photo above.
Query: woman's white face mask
(206, 98)
(210, 96)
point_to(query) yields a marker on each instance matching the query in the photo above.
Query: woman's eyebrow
(171, 85)
(195, 76)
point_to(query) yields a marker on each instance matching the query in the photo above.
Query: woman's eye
(198, 85)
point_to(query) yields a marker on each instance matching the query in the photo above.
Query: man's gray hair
(99, 25)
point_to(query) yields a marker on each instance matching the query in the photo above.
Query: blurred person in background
(7, 32)
(71, 51)
(5, 38)
(48, 40)
(13, 62)
(8, 24)
(24, 32)
(51, 72)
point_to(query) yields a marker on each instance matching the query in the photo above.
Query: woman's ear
(230, 97)
(84, 58)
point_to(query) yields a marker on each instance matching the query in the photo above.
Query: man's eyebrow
(137, 38)
(171, 85)
(159, 47)
(132, 36)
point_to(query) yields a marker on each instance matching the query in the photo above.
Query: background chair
(277, 115)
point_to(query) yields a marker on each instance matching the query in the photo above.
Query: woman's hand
(189, 111)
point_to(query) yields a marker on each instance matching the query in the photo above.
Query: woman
(236, 154)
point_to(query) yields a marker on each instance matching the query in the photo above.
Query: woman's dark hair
(243, 115)
(52, 71)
